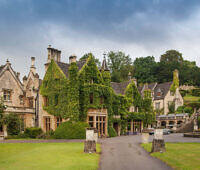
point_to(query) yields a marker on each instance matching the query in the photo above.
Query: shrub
(32, 132)
(183, 92)
(195, 92)
(71, 130)
(112, 132)
(14, 124)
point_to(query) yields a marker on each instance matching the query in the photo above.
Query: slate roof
(164, 88)
(119, 88)
(65, 66)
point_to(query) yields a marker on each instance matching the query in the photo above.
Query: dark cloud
(25, 25)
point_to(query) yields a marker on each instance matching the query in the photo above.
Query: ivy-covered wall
(72, 96)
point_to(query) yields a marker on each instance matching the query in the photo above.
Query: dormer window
(159, 93)
(7, 95)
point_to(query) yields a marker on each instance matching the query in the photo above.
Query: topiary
(71, 130)
(112, 132)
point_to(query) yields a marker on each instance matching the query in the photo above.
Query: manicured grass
(189, 98)
(179, 155)
(42, 156)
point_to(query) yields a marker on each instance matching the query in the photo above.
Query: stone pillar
(5, 130)
(158, 144)
(90, 143)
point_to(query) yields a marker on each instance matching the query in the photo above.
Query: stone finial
(104, 63)
(32, 61)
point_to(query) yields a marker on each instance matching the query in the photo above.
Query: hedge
(32, 132)
(71, 130)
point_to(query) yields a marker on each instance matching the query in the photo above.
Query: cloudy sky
(136, 27)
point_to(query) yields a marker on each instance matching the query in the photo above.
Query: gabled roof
(65, 66)
(119, 88)
(164, 88)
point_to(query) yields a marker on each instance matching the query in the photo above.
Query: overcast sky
(136, 27)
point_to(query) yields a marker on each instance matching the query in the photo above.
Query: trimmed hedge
(71, 130)
(112, 132)
(32, 132)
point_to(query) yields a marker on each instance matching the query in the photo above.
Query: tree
(144, 69)
(85, 57)
(171, 56)
(120, 65)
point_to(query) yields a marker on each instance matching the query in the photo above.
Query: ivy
(133, 95)
(175, 83)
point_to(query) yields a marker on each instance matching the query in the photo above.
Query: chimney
(33, 69)
(53, 54)
(72, 59)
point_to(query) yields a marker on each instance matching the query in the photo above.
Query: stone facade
(20, 98)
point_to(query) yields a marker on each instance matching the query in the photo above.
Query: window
(158, 106)
(21, 99)
(58, 121)
(48, 123)
(30, 101)
(56, 100)
(101, 100)
(91, 98)
(7, 95)
(46, 101)
(158, 94)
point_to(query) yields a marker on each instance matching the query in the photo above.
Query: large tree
(120, 65)
(144, 69)
(171, 56)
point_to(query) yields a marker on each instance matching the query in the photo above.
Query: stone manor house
(24, 98)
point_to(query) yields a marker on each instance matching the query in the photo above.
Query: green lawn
(32, 156)
(183, 156)
(189, 98)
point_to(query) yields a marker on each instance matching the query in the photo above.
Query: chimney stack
(33, 69)
(72, 59)
(53, 54)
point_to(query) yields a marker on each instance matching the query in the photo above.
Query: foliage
(14, 124)
(43, 156)
(198, 122)
(184, 109)
(93, 91)
(145, 69)
(73, 92)
(195, 92)
(2, 116)
(133, 96)
(54, 88)
(32, 132)
(86, 56)
(171, 56)
(171, 107)
(120, 65)
(175, 83)
(112, 132)
(183, 92)
(71, 130)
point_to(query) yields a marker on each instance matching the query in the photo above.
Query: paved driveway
(125, 153)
